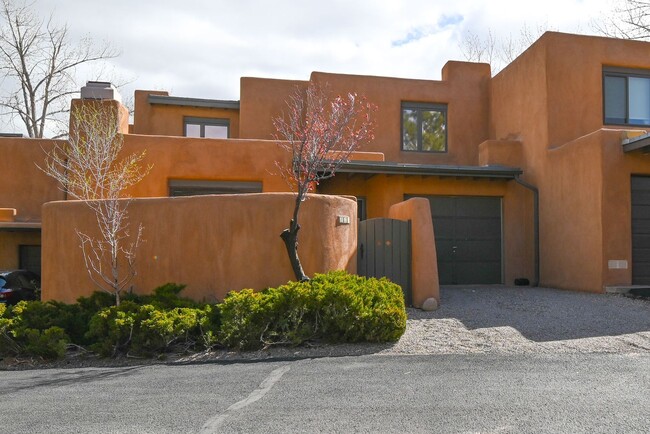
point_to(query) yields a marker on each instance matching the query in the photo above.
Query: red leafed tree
(320, 131)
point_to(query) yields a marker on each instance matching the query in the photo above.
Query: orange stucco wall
(550, 99)
(167, 120)
(424, 261)
(206, 159)
(382, 192)
(10, 243)
(618, 167)
(213, 244)
(262, 100)
(26, 187)
(464, 88)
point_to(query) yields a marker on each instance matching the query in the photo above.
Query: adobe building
(539, 174)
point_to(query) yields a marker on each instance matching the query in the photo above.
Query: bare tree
(37, 64)
(89, 167)
(320, 132)
(499, 51)
(629, 19)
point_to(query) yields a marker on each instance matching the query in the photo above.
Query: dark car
(19, 285)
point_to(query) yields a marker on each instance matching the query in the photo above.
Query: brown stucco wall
(213, 244)
(25, 187)
(501, 153)
(424, 261)
(206, 159)
(550, 99)
(618, 168)
(464, 88)
(10, 241)
(262, 100)
(167, 120)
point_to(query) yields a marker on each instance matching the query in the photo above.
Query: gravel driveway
(498, 319)
(527, 320)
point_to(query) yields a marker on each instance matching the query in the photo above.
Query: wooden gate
(384, 250)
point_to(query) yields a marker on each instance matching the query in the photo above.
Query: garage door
(468, 239)
(641, 230)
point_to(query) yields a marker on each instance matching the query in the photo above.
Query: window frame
(202, 187)
(203, 122)
(610, 71)
(420, 107)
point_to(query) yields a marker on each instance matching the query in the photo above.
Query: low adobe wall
(424, 263)
(213, 244)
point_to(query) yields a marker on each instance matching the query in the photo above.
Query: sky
(201, 48)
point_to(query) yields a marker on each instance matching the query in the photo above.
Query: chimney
(102, 90)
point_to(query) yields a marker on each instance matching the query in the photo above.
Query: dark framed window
(29, 258)
(424, 127)
(182, 187)
(206, 127)
(626, 96)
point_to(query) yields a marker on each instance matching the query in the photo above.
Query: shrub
(166, 296)
(147, 329)
(33, 328)
(336, 306)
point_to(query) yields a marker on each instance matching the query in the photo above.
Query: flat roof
(193, 102)
(20, 226)
(641, 142)
(389, 168)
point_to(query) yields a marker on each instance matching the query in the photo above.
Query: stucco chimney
(103, 90)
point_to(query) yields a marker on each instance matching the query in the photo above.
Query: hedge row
(335, 307)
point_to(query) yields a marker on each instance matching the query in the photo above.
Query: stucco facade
(530, 183)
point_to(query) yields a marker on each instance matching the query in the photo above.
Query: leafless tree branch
(89, 167)
(320, 132)
(37, 65)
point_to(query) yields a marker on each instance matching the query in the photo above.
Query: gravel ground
(495, 319)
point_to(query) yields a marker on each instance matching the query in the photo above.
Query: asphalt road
(443, 393)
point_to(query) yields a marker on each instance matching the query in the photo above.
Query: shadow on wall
(542, 314)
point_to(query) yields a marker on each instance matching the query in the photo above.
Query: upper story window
(207, 127)
(626, 96)
(424, 127)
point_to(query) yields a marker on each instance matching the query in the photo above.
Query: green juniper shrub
(166, 296)
(242, 319)
(111, 329)
(159, 329)
(33, 328)
(337, 307)
(209, 322)
(50, 343)
(146, 330)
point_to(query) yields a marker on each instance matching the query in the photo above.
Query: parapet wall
(213, 244)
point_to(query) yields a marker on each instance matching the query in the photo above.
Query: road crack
(213, 424)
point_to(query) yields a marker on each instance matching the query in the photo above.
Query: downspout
(535, 223)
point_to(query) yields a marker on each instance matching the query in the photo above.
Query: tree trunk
(290, 238)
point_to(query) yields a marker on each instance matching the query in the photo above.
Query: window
(424, 127)
(207, 127)
(29, 258)
(179, 187)
(626, 96)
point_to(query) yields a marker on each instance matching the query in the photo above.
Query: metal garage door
(641, 230)
(468, 239)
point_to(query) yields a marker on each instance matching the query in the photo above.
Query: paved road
(442, 393)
